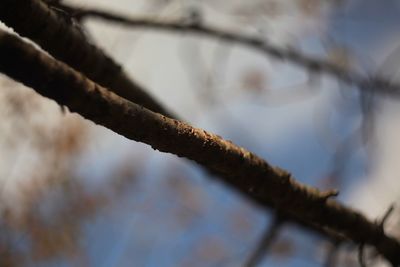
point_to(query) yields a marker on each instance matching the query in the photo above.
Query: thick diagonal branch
(92, 63)
(237, 167)
(57, 35)
(379, 85)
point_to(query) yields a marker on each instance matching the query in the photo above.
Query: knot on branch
(283, 174)
(325, 195)
(193, 17)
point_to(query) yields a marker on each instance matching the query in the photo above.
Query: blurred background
(76, 194)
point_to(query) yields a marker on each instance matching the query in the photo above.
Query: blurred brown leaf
(254, 81)
(341, 57)
(309, 7)
(282, 249)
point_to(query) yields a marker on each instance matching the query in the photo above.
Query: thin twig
(381, 224)
(332, 255)
(265, 243)
(361, 255)
(387, 215)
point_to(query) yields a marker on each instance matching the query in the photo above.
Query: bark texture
(242, 170)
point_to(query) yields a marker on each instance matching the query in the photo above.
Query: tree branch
(57, 35)
(25, 19)
(332, 255)
(244, 171)
(266, 241)
(312, 64)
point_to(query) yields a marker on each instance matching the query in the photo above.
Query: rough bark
(242, 170)
(54, 32)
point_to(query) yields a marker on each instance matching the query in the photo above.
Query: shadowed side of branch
(57, 35)
(237, 167)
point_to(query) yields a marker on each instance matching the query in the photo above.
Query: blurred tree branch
(266, 241)
(332, 255)
(244, 171)
(60, 32)
(315, 65)
(57, 34)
